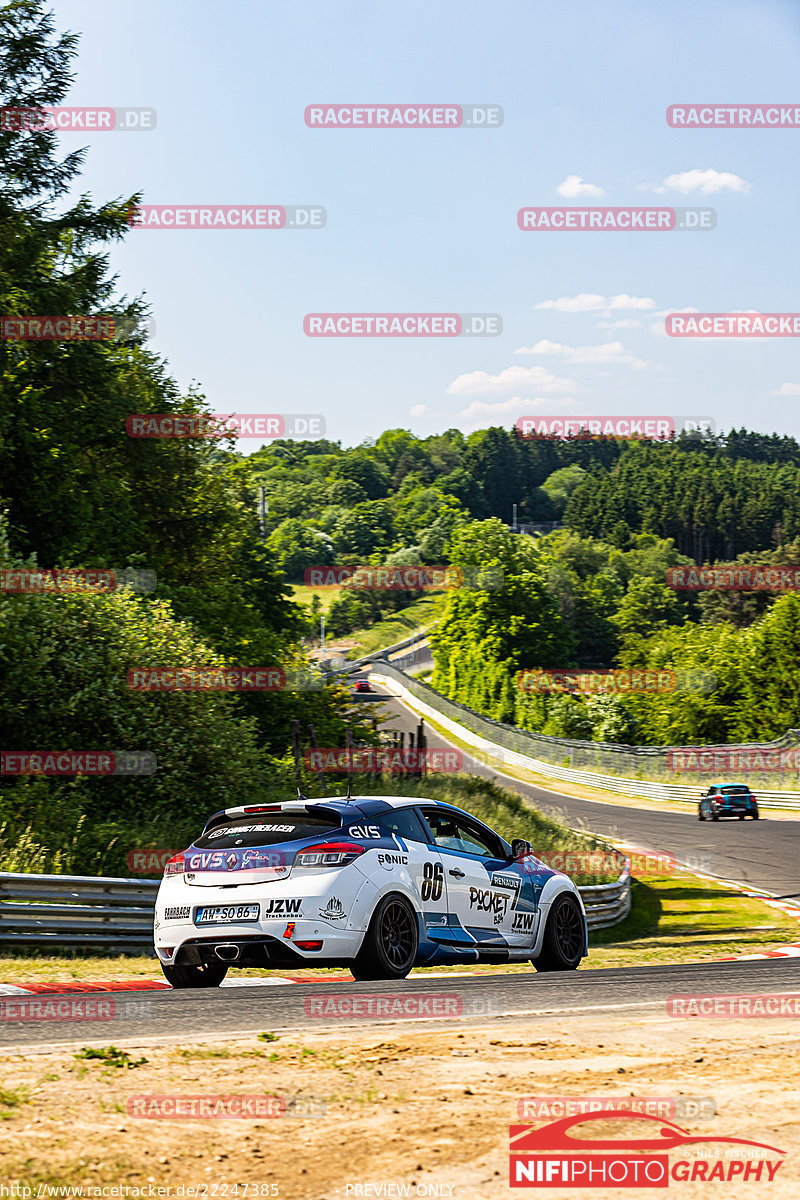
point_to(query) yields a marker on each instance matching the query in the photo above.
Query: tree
(647, 607)
(297, 546)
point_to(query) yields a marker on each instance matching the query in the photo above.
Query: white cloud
(634, 302)
(658, 327)
(420, 410)
(604, 354)
(498, 412)
(705, 182)
(510, 379)
(592, 302)
(573, 187)
(787, 389)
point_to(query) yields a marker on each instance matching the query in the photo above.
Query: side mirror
(519, 848)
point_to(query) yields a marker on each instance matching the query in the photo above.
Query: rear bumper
(185, 942)
(255, 950)
(730, 810)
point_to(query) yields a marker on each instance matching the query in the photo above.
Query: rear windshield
(738, 789)
(265, 830)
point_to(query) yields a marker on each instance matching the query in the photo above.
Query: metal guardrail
(420, 636)
(509, 744)
(75, 910)
(607, 904)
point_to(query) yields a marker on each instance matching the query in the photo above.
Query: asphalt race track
(143, 1018)
(764, 853)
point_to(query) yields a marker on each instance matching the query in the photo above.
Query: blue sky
(425, 221)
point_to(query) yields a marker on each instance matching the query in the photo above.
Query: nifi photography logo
(565, 1154)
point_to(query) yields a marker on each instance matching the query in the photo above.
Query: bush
(64, 661)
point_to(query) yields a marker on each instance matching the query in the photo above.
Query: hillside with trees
(76, 491)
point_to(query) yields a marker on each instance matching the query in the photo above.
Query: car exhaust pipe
(227, 952)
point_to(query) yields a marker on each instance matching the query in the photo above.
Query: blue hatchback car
(727, 800)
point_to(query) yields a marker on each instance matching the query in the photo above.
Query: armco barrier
(420, 636)
(520, 748)
(117, 914)
(76, 910)
(607, 903)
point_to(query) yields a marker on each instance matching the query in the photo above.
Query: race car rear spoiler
(312, 807)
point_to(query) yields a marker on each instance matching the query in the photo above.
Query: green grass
(112, 1056)
(401, 625)
(680, 918)
(303, 594)
(11, 1099)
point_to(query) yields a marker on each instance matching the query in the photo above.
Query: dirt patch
(422, 1108)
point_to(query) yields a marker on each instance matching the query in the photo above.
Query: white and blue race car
(375, 884)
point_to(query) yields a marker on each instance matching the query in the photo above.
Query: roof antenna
(298, 770)
(349, 744)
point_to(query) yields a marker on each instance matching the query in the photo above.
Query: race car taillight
(175, 866)
(308, 945)
(328, 854)
(264, 808)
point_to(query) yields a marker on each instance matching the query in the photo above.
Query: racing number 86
(432, 881)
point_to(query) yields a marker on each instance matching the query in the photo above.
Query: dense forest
(591, 593)
(76, 491)
(715, 496)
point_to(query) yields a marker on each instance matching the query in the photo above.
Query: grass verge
(304, 594)
(680, 918)
(396, 628)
